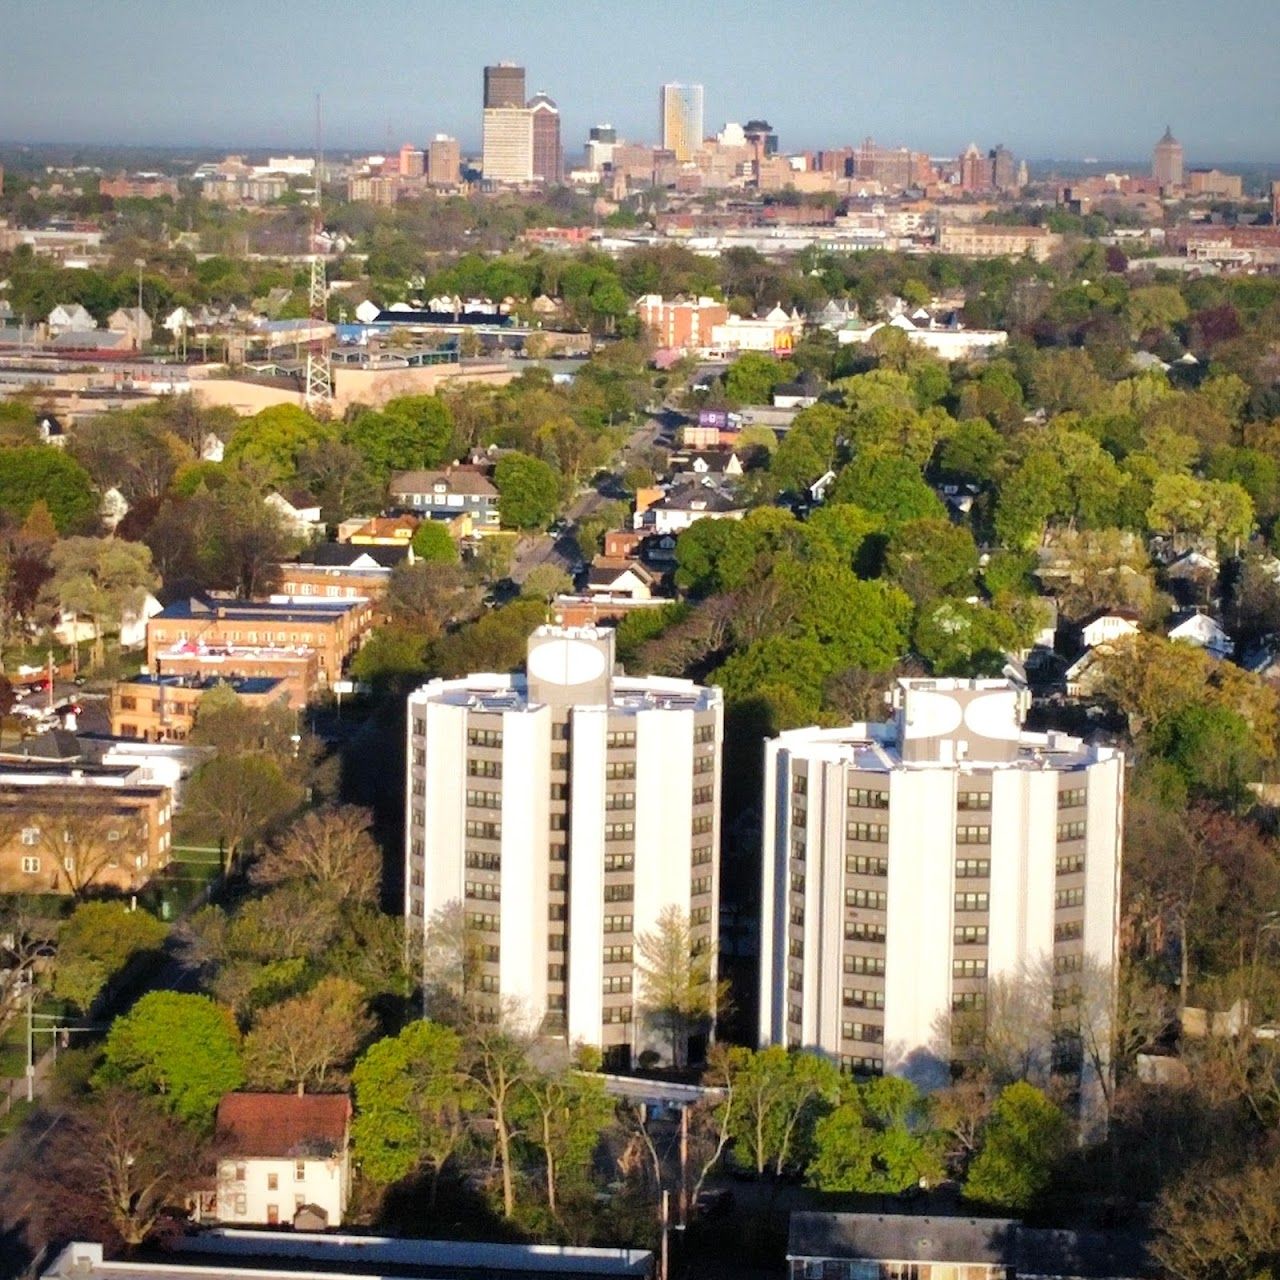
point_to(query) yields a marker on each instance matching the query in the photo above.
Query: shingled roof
(284, 1124)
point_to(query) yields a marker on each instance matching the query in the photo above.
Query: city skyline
(1076, 81)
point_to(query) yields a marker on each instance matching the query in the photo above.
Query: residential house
(134, 323)
(1108, 625)
(899, 1246)
(78, 629)
(343, 570)
(284, 1153)
(381, 531)
(1192, 578)
(1200, 629)
(51, 431)
(70, 317)
(801, 393)
(163, 708)
(680, 507)
(67, 825)
(720, 464)
(619, 578)
(299, 512)
(448, 493)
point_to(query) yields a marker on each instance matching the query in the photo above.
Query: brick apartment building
(68, 827)
(164, 708)
(334, 629)
(683, 324)
(984, 240)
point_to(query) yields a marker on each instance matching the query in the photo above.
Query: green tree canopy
(184, 1048)
(432, 542)
(40, 474)
(1024, 1140)
(528, 491)
(889, 486)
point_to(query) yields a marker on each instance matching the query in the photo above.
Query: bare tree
(304, 1041)
(330, 849)
(498, 1056)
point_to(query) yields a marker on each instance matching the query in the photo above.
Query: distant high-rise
(412, 161)
(508, 144)
(504, 85)
(548, 162)
(1166, 160)
(444, 161)
(680, 119)
(601, 141)
(1004, 170)
(974, 174)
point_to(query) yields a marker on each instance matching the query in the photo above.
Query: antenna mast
(319, 373)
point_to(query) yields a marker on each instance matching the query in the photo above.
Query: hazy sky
(1050, 78)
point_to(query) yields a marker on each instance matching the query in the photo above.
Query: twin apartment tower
(905, 864)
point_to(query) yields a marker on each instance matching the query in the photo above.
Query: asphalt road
(561, 550)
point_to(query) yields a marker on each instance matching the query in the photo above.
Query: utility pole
(664, 1260)
(31, 1040)
(684, 1165)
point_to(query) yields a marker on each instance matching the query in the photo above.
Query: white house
(677, 509)
(301, 515)
(70, 317)
(282, 1153)
(51, 431)
(619, 579)
(367, 312)
(1199, 629)
(1107, 626)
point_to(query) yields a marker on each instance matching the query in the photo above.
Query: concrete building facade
(548, 158)
(563, 811)
(503, 85)
(1167, 160)
(507, 144)
(908, 863)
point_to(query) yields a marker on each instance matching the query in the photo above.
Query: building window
(1070, 864)
(1069, 898)
(973, 869)
(483, 861)
(704, 733)
(968, 968)
(1068, 931)
(873, 965)
(617, 924)
(619, 861)
(621, 738)
(1072, 799)
(1071, 831)
(862, 931)
(30, 865)
(484, 799)
(559, 822)
(971, 902)
(973, 835)
(482, 920)
(299, 1171)
(797, 882)
(861, 1065)
(1073, 963)
(700, 915)
(704, 764)
(484, 830)
(973, 800)
(704, 795)
(560, 761)
(701, 825)
(619, 892)
(701, 885)
(485, 890)
(240, 1173)
(968, 1001)
(795, 948)
(616, 1013)
(557, 911)
(857, 865)
(800, 785)
(484, 737)
(619, 830)
(859, 998)
(620, 800)
(615, 770)
(273, 1182)
(477, 768)
(30, 835)
(970, 935)
(872, 832)
(797, 914)
(701, 855)
(618, 984)
(555, 942)
(242, 1204)
(867, 1032)
(618, 955)
(871, 899)
(862, 798)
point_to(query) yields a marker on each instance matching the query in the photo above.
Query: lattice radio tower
(319, 366)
